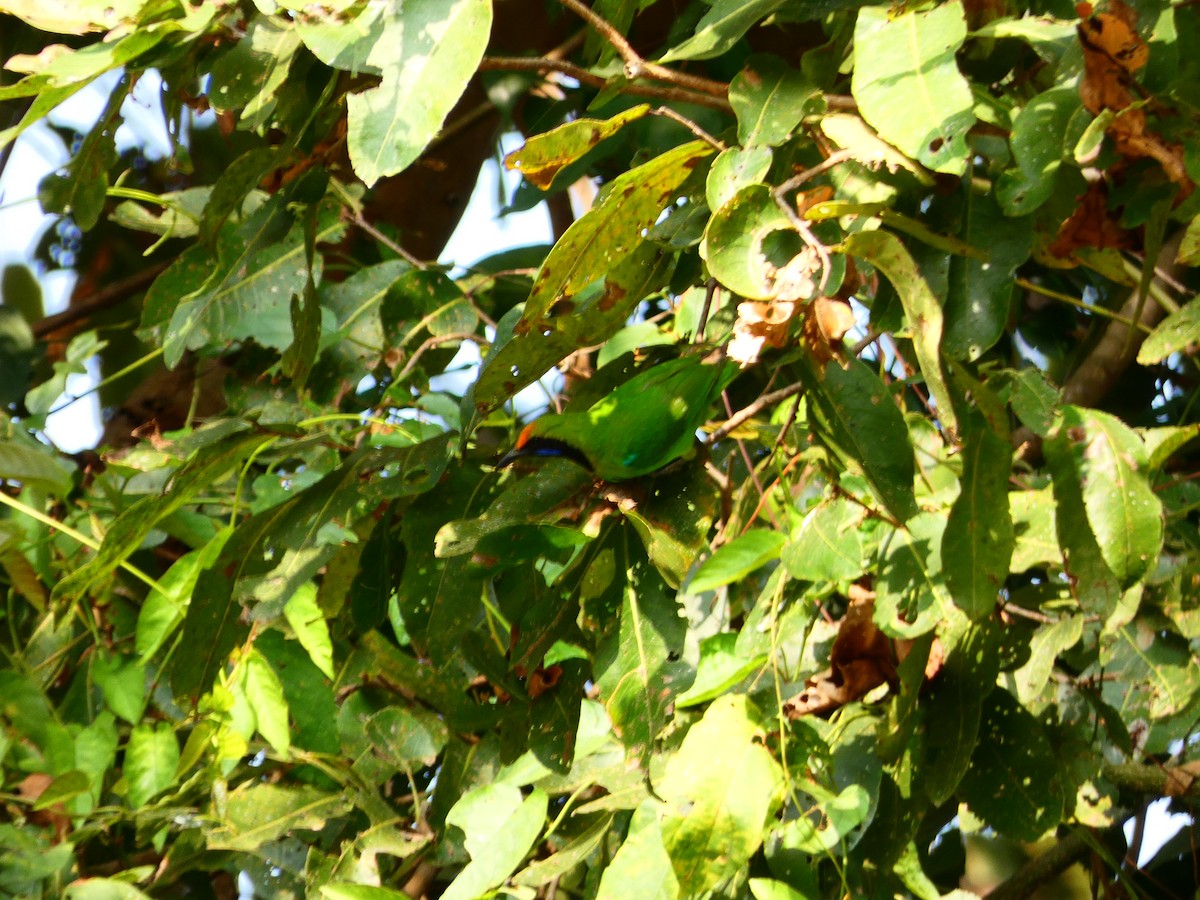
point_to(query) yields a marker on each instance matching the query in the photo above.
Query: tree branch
(103, 299)
(583, 76)
(1049, 865)
(635, 66)
(1154, 780)
(754, 408)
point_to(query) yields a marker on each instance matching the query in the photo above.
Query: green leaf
(734, 169)
(610, 231)
(554, 716)
(151, 757)
(81, 193)
(978, 544)
(597, 312)
(426, 52)
(1045, 646)
(33, 465)
(770, 889)
(122, 679)
(1050, 38)
(721, 667)
(1034, 530)
(853, 414)
(769, 99)
(742, 244)
(163, 611)
(243, 291)
(257, 814)
(737, 559)
(637, 669)
(839, 815)
(1176, 332)
(887, 253)
(18, 351)
(42, 399)
(981, 293)
(65, 74)
(1013, 783)
(720, 788)
(543, 156)
(126, 533)
(913, 596)
(908, 86)
(212, 627)
(307, 692)
(410, 739)
(568, 858)
(1154, 676)
(1095, 458)
(308, 623)
(722, 27)
(1042, 133)
(65, 788)
(265, 693)
(642, 860)
(103, 889)
(1163, 443)
(340, 891)
(233, 193)
(500, 827)
(248, 77)
(1034, 400)
(526, 500)
(827, 547)
(954, 708)
(674, 522)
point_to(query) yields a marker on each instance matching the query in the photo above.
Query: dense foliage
(918, 616)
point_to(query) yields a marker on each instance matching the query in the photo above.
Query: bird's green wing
(652, 419)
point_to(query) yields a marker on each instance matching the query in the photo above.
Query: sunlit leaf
(908, 86)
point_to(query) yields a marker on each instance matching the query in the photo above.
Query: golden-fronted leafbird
(646, 423)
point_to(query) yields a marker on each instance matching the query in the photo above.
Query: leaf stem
(80, 537)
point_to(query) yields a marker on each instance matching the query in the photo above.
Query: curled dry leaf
(826, 321)
(1090, 225)
(542, 680)
(860, 660)
(767, 323)
(1112, 52)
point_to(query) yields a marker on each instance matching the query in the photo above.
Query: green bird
(646, 423)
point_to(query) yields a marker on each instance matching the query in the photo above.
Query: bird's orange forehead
(525, 435)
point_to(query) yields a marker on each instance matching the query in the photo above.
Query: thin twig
(1034, 616)
(754, 409)
(358, 220)
(687, 123)
(709, 292)
(635, 66)
(432, 342)
(798, 223)
(605, 29)
(583, 76)
(762, 494)
(835, 158)
(871, 337)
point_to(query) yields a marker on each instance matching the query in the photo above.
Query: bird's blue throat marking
(546, 447)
